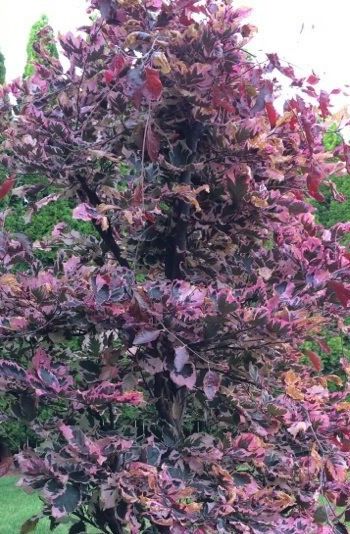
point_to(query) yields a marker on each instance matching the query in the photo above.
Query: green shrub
(43, 221)
(2, 69)
(331, 212)
(332, 138)
(32, 56)
(328, 213)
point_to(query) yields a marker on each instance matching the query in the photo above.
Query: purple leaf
(181, 358)
(146, 336)
(211, 384)
(186, 377)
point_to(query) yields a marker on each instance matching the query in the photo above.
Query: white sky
(312, 34)
(16, 19)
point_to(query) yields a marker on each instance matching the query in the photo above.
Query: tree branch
(177, 244)
(106, 235)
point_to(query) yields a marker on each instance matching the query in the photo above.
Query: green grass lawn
(16, 507)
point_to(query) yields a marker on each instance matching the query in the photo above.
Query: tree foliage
(329, 213)
(33, 54)
(2, 69)
(181, 403)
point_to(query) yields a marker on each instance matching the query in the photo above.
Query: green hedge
(43, 221)
(32, 56)
(329, 213)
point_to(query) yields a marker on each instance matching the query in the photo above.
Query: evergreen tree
(32, 54)
(2, 69)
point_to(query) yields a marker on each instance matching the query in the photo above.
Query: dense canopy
(169, 348)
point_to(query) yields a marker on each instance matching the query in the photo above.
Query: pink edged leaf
(58, 229)
(66, 502)
(187, 377)
(336, 468)
(41, 359)
(49, 380)
(75, 438)
(152, 365)
(11, 371)
(247, 445)
(71, 265)
(222, 99)
(107, 392)
(339, 197)
(45, 201)
(146, 336)
(84, 212)
(109, 494)
(264, 96)
(298, 427)
(211, 384)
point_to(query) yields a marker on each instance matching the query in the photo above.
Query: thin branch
(106, 235)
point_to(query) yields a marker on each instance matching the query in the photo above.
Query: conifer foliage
(169, 348)
(2, 68)
(39, 27)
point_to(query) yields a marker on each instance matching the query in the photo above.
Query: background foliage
(33, 56)
(2, 68)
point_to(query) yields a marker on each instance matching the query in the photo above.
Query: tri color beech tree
(168, 344)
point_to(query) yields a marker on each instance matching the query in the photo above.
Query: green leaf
(321, 515)
(332, 138)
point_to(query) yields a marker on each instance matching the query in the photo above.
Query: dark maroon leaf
(30, 525)
(321, 515)
(341, 292)
(315, 360)
(77, 528)
(6, 187)
(152, 144)
(153, 87)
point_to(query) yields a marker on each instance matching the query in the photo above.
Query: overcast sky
(313, 34)
(17, 17)
(309, 33)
